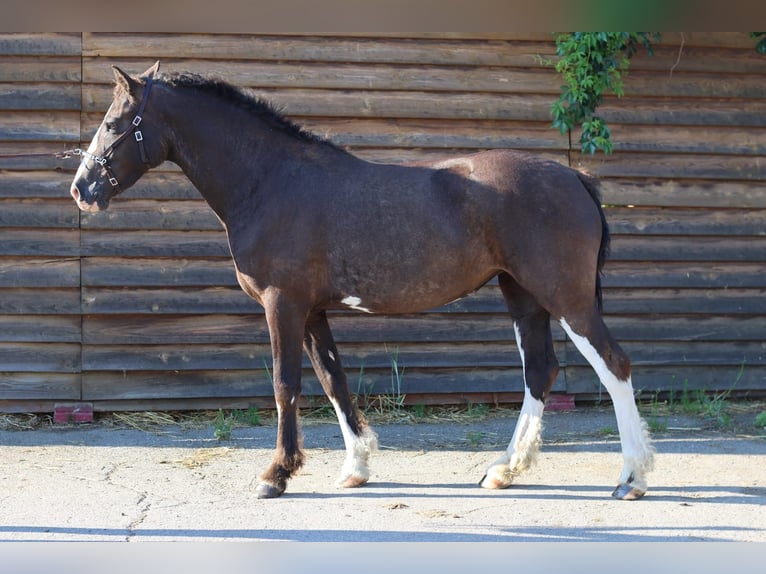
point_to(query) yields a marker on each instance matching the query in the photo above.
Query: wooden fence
(138, 307)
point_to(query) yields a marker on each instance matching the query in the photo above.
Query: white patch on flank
(358, 448)
(637, 450)
(354, 303)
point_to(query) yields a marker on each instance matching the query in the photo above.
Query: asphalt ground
(110, 482)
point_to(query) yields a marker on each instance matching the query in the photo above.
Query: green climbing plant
(593, 64)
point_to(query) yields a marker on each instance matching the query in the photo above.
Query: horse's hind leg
(531, 324)
(359, 439)
(593, 340)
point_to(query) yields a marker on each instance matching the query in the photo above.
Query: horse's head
(125, 146)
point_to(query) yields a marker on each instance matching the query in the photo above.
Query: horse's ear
(151, 72)
(122, 79)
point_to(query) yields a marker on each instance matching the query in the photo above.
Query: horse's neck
(221, 150)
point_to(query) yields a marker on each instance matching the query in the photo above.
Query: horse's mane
(227, 92)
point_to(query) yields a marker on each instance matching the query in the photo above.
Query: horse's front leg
(359, 439)
(286, 322)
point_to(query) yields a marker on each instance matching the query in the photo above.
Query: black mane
(223, 90)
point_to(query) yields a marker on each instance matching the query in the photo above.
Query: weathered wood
(37, 44)
(59, 126)
(685, 248)
(157, 272)
(18, 272)
(683, 193)
(356, 357)
(40, 301)
(435, 51)
(159, 244)
(38, 212)
(40, 242)
(145, 294)
(23, 388)
(678, 221)
(39, 358)
(40, 96)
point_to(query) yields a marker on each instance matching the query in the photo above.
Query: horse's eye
(111, 127)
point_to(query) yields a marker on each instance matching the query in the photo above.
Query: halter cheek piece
(102, 160)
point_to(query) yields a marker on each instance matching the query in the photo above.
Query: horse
(313, 228)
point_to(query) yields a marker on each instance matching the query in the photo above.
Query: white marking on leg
(355, 471)
(354, 303)
(637, 450)
(527, 436)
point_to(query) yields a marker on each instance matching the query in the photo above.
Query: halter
(102, 160)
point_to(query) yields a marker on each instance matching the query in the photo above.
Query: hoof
(494, 481)
(627, 492)
(352, 482)
(266, 490)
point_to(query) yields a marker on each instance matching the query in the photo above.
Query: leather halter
(102, 160)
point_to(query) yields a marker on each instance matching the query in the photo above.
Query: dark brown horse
(313, 228)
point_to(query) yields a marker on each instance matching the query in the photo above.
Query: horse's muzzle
(81, 203)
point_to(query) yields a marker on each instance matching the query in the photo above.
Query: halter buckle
(136, 121)
(113, 181)
(139, 136)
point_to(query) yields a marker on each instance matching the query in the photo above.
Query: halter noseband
(102, 159)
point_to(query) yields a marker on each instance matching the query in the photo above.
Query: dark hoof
(266, 490)
(627, 492)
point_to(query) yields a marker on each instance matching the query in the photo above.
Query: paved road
(97, 483)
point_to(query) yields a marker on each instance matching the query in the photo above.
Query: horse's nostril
(75, 193)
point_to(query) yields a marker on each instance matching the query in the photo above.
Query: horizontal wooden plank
(40, 329)
(661, 111)
(684, 248)
(711, 59)
(687, 328)
(684, 353)
(380, 104)
(733, 140)
(37, 212)
(159, 244)
(356, 358)
(36, 301)
(680, 221)
(24, 387)
(215, 329)
(364, 76)
(52, 126)
(39, 358)
(18, 272)
(31, 184)
(34, 165)
(145, 214)
(217, 383)
(672, 166)
(706, 275)
(695, 84)
(683, 193)
(647, 380)
(436, 51)
(690, 301)
(25, 70)
(39, 242)
(41, 44)
(157, 272)
(39, 96)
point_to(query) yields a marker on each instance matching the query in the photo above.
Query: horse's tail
(592, 185)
